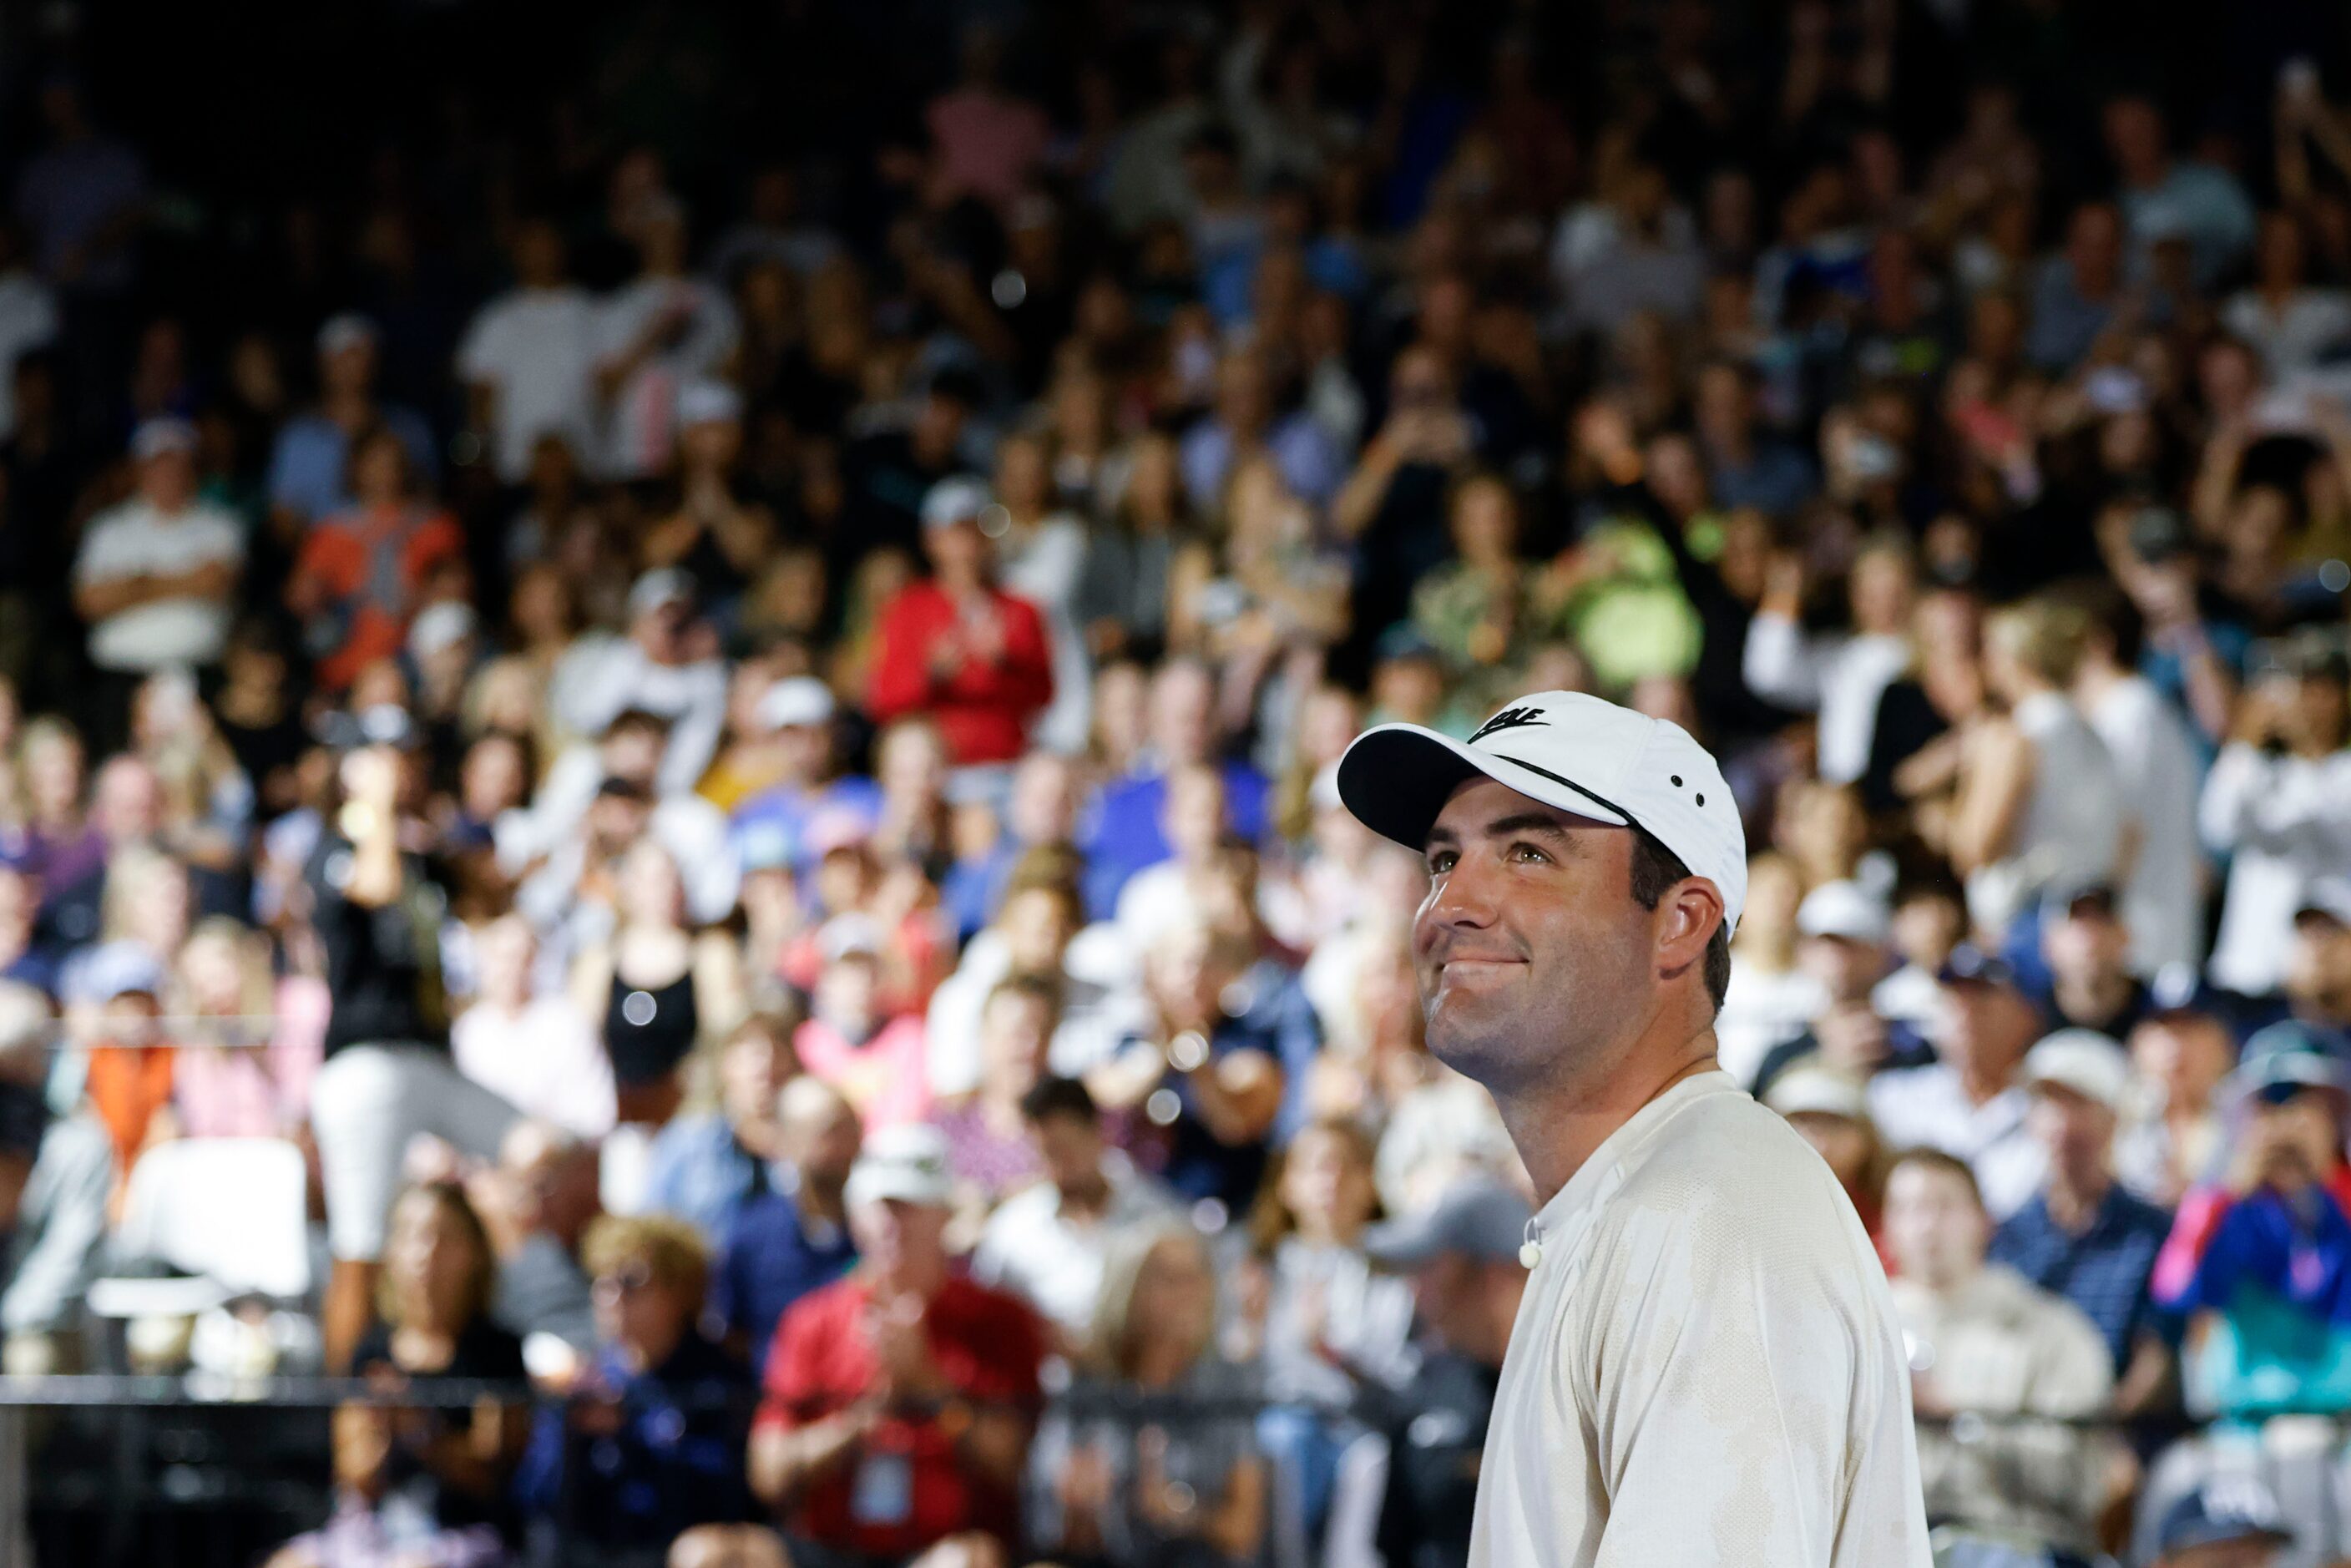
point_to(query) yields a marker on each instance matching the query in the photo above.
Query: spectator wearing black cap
(2087, 950)
(1462, 1257)
(2171, 1130)
(2278, 803)
(1971, 1103)
(155, 577)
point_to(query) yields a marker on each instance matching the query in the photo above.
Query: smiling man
(1706, 1366)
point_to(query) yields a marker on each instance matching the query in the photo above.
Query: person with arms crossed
(1706, 1367)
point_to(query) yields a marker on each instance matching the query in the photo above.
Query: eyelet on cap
(1678, 780)
(1701, 800)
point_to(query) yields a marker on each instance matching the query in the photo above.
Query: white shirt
(2285, 824)
(537, 348)
(1760, 1011)
(693, 697)
(2069, 833)
(1706, 1367)
(545, 1061)
(2293, 339)
(28, 318)
(1842, 677)
(2162, 906)
(1032, 1249)
(1924, 1107)
(641, 426)
(135, 539)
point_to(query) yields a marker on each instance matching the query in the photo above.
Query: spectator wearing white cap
(714, 532)
(805, 779)
(1831, 1111)
(307, 468)
(654, 335)
(2081, 1236)
(527, 358)
(1844, 931)
(156, 576)
(956, 648)
(899, 1401)
(668, 665)
(876, 1060)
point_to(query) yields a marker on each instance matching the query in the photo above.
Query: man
(705, 1166)
(1128, 830)
(1969, 1103)
(1984, 1342)
(2229, 1521)
(2086, 948)
(540, 1202)
(55, 1176)
(957, 649)
(536, 1051)
(527, 359)
(790, 1234)
(2155, 760)
(1844, 932)
(1462, 1254)
(156, 576)
(1706, 1368)
(1047, 1243)
(2317, 982)
(2082, 1237)
(653, 335)
(899, 1401)
(668, 665)
(307, 469)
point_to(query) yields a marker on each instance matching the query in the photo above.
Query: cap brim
(888, 1188)
(1396, 777)
(1402, 1244)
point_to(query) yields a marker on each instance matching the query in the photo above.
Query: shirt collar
(1599, 1176)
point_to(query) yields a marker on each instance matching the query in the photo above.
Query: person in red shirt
(363, 573)
(899, 1401)
(958, 649)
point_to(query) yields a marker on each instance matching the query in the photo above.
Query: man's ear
(1688, 918)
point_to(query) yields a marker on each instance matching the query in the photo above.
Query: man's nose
(1463, 896)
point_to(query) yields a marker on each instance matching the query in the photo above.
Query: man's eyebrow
(1502, 827)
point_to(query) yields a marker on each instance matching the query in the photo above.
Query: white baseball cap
(1816, 1090)
(958, 499)
(1844, 909)
(796, 700)
(708, 403)
(2091, 1064)
(1570, 751)
(906, 1163)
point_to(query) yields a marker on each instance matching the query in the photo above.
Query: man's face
(168, 479)
(897, 1236)
(2088, 944)
(1935, 1225)
(1071, 1148)
(2318, 960)
(752, 1071)
(2077, 1130)
(1528, 947)
(1846, 966)
(1986, 1026)
(820, 1136)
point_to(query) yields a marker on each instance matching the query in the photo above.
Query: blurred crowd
(707, 671)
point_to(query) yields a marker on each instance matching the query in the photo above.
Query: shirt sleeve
(1780, 664)
(1734, 1386)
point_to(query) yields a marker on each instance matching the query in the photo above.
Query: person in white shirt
(654, 335)
(1971, 1102)
(528, 359)
(536, 1053)
(157, 575)
(1706, 1367)
(1984, 1340)
(1842, 677)
(2278, 804)
(1048, 1242)
(668, 665)
(2155, 761)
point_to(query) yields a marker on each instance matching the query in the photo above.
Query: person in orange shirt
(129, 1066)
(365, 571)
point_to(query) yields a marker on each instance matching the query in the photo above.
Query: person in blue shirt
(703, 1166)
(791, 1234)
(2080, 1236)
(306, 468)
(1125, 832)
(651, 1441)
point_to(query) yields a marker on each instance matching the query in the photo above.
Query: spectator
(650, 1442)
(56, 1177)
(527, 359)
(408, 1479)
(899, 1401)
(2318, 967)
(1049, 1242)
(157, 576)
(1970, 1103)
(2078, 291)
(2082, 1237)
(661, 331)
(666, 667)
(2256, 1262)
(2275, 803)
(536, 1053)
(1831, 1111)
(1747, 469)
(2172, 1133)
(798, 711)
(715, 533)
(311, 474)
(958, 649)
(388, 1074)
(537, 1209)
(705, 1165)
(1462, 1257)
(1992, 1345)
(1844, 933)
(2086, 947)
(2163, 196)
(1106, 1490)
(364, 572)
(788, 1236)
(988, 1146)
